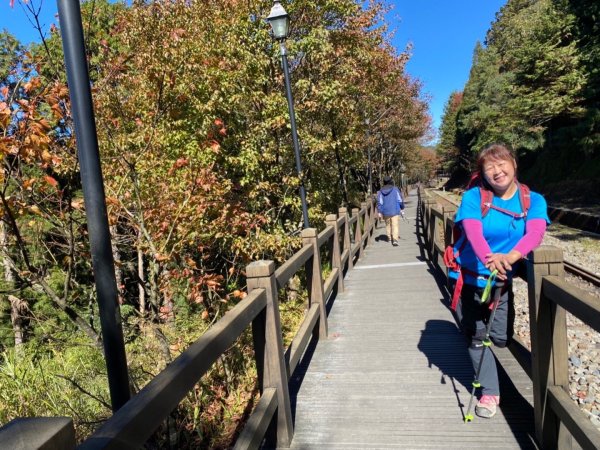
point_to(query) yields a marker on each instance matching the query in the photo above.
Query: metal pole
(290, 100)
(369, 171)
(95, 205)
(370, 189)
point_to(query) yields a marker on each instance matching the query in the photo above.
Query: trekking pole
(486, 340)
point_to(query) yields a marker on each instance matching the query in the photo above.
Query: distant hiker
(390, 205)
(501, 221)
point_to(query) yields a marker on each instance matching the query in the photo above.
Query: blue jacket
(389, 201)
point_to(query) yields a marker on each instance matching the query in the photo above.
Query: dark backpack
(450, 256)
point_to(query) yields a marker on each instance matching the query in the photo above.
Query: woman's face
(499, 173)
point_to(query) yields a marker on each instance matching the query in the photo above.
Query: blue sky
(15, 21)
(443, 34)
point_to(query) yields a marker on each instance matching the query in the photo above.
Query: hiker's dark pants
(474, 318)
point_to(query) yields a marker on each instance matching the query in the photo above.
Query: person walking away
(493, 239)
(390, 205)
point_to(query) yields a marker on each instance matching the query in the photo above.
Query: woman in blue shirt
(496, 241)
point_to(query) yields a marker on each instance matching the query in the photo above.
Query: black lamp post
(95, 204)
(402, 172)
(370, 189)
(280, 23)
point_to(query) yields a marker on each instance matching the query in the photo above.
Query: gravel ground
(583, 249)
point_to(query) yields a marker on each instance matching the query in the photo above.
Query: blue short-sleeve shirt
(501, 231)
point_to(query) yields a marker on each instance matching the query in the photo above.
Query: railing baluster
(343, 212)
(314, 278)
(336, 261)
(365, 225)
(49, 433)
(549, 353)
(261, 274)
(357, 233)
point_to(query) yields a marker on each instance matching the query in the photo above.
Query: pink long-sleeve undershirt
(474, 232)
(534, 233)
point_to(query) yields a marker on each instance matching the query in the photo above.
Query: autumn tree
(198, 165)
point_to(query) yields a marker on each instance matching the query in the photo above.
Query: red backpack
(450, 256)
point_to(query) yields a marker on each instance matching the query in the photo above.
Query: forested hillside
(535, 85)
(200, 180)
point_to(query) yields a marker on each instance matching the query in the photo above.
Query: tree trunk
(18, 315)
(153, 281)
(141, 279)
(117, 259)
(340, 167)
(18, 307)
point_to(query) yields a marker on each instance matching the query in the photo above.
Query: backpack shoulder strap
(486, 200)
(524, 197)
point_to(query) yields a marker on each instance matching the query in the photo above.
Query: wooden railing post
(372, 214)
(357, 232)
(549, 353)
(343, 212)
(365, 225)
(448, 215)
(429, 204)
(314, 278)
(336, 255)
(368, 219)
(448, 238)
(424, 202)
(261, 274)
(49, 433)
(445, 232)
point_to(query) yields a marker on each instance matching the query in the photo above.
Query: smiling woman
(493, 243)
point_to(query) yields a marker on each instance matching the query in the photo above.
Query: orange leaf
(28, 183)
(51, 181)
(112, 201)
(190, 262)
(77, 203)
(46, 156)
(181, 162)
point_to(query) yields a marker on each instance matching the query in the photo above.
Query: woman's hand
(502, 262)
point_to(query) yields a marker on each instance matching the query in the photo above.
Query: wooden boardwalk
(394, 372)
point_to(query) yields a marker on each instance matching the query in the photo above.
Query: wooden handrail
(135, 422)
(325, 235)
(574, 300)
(550, 297)
(289, 268)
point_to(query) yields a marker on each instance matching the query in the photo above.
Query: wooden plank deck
(394, 372)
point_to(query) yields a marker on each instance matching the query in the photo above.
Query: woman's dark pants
(474, 318)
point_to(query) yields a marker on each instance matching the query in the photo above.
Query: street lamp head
(279, 20)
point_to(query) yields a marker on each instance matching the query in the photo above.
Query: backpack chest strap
(520, 215)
